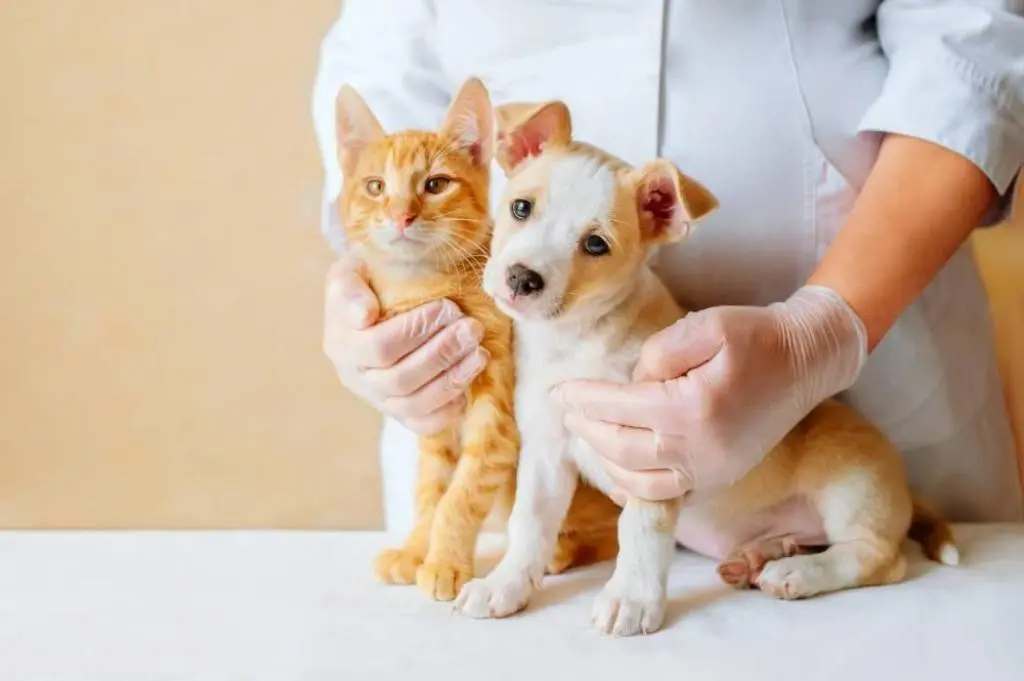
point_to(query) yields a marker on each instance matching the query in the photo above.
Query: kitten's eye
(595, 245)
(375, 186)
(437, 184)
(521, 209)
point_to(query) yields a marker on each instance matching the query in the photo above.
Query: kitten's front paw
(623, 610)
(396, 566)
(442, 581)
(495, 596)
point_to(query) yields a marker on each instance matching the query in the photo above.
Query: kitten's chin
(404, 250)
(398, 263)
(431, 245)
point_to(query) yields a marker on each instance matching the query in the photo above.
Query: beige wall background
(161, 273)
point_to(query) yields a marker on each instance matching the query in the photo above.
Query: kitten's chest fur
(400, 292)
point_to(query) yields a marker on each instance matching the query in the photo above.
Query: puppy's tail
(934, 535)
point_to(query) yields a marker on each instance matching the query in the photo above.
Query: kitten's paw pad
(792, 578)
(442, 581)
(620, 612)
(396, 566)
(494, 596)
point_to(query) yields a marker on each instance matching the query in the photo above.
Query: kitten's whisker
(465, 263)
(472, 221)
(472, 249)
(465, 258)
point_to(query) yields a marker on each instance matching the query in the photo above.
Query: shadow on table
(694, 600)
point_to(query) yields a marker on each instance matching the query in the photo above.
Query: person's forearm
(918, 206)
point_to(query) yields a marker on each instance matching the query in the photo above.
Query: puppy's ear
(668, 202)
(470, 121)
(525, 130)
(356, 127)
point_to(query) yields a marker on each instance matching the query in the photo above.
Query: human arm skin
(728, 382)
(919, 204)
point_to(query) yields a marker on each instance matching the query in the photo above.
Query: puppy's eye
(437, 184)
(375, 186)
(595, 245)
(521, 209)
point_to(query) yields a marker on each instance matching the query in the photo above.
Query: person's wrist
(828, 341)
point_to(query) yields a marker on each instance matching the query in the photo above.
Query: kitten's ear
(356, 127)
(668, 202)
(525, 130)
(470, 121)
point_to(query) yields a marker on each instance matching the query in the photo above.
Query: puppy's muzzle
(522, 281)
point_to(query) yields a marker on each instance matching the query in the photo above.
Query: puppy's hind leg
(864, 525)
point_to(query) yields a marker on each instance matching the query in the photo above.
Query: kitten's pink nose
(403, 220)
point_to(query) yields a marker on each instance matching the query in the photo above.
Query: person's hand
(713, 393)
(415, 366)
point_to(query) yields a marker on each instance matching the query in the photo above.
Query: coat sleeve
(386, 50)
(956, 78)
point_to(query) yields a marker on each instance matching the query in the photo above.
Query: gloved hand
(713, 393)
(415, 366)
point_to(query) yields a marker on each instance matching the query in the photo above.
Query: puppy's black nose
(523, 281)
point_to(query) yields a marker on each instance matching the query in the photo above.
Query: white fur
(466, 128)
(633, 600)
(580, 192)
(549, 461)
(949, 555)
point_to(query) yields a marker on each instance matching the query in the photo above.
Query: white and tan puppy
(569, 265)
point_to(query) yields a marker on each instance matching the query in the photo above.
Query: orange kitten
(414, 206)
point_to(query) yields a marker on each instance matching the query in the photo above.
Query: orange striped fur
(463, 469)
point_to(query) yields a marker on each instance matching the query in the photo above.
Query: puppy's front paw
(622, 610)
(442, 581)
(495, 596)
(396, 566)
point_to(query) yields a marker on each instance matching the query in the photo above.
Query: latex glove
(415, 366)
(716, 391)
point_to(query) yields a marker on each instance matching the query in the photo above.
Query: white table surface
(300, 606)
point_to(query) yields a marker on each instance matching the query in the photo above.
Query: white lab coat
(778, 106)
